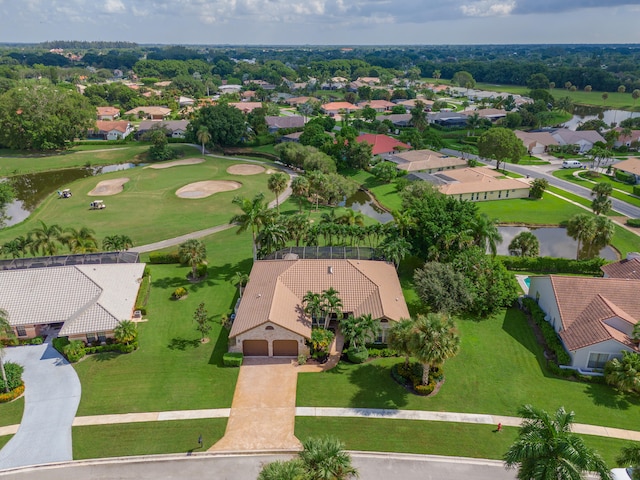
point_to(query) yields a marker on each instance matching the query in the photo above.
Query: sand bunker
(245, 169)
(108, 187)
(207, 188)
(186, 161)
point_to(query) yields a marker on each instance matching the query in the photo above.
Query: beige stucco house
(481, 184)
(426, 161)
(270, 320)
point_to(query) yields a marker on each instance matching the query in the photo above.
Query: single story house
(86, 302)
(291, 137)
(111, 129)
(382, 143)
(151, 113)
(626, 268)
(594, 317)
(411, 103)
(275, 123)
(335, 108)
(185, 101)
(398, 119)
(631, 166)
(626, 140)
(493, 114)
(173, 128)
(246, 107)
(108, 113)
(270, 320)
(296, 101)
(448, 119)
(536, 142)
(426, 161)
(378, 105)
(585, 139)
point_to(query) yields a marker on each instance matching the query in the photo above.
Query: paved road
(544, 171)
(372, 466)
(52, 396)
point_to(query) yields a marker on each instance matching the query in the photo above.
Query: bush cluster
(14, 376)
(633, 222)
(553, 265)
(13, 394)
(112, 347)
(232, 359)
(74, 350)
(550, 335)
(411, 376)
(357, 355)
(179, 293)
(378, 351)
(636, 190)
(624, 177)
(164, 258)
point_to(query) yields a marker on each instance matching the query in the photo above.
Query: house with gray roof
(585, 139)
(172, 128)
(276, 123)
(86, 302)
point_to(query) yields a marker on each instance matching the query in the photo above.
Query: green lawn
(129, 439)
(549, 210)
(148, 209)
(435, 438)
(4, 440)
(11, 412)
(499, 368)
(587, 183)
(172, 370)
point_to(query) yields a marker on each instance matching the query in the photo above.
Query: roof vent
(259, 295)
(330, 270)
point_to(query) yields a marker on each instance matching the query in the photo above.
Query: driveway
(52, 396)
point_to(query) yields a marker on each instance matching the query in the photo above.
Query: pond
(31, 189)
(362, 202)
(582, 113)
(554, 242)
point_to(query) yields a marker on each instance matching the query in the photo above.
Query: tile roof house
(275, 123)
(246, 107)
(108, 113)
(398, 119)
(536, 142)
(111, 129)
(584, 138)
(426, 161)
(631, 166)
(270, 320)
(626, 268)
(173, 128)
(295, 101)
(594, 317)
(151, 112)
(335, 108)
(382, 143)
(86, 301)
(627, 140)
(378, 105)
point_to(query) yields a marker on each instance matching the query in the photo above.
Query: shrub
(37, 341)
(74, 350)
(125, 348)
(384, 352)
(636, 190)
(13, 394)
(633, 222)
(357, 355)
(625, 177)
(302, 359)
(201, 270)
(59, 343)
(553, 265)
(164, 258)
(550, 335)
(14, 376)
(232, 359)
(425, 389)
(179, 293)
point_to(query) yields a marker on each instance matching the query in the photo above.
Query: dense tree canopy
(501, 144)
(225, 124)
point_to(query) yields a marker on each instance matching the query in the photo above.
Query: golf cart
(97, 205)
(66, 193)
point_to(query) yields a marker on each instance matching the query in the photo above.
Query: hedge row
(636, 190)
(633, 222)
(550, 335)
(232, 359)
(553, 265)
(76, 349)
(13, 372)
(164, 258)
(13, 394)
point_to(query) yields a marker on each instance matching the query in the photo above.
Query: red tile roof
(627, 268)
(382, 143)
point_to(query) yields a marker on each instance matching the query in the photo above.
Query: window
(91, 337)
(597, 360)
(102, 337)
(22, 332)
(500, 194)
(269, 327)
(506, 194)
(485, 195)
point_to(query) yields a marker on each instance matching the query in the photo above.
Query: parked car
(97, 205)
(622, 473)
(572, 164)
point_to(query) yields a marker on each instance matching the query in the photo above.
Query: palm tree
(313, 306)
(351, 217)
(394, 249)
(624, 373)
(325, 459)
(203, 136)
(45, 239)
(81, 240)
(581, 227)
(126, 332)
(630, 457)
(473, 122)
(5, 332)
(403, 221)
(399, 336)
(17, 247)
(193, 252)
(277, 184)
(297, 227)
(418, 118)
(547, 449)
(565, 104)
(272, 237)
(434, 339)
(300, 189)
(604, 230)
(601, 204)
(357, 330)
(116, 243)
(485, 234)
(240, 279)
(331, 304)
(525, 244)
(280, 470)
(255, 214)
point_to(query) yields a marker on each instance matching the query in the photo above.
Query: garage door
(285, 348)
(255, 348)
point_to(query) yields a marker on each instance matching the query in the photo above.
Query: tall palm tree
(601, 203)
(351, 217)
(433, 340)
(255, 214)
(630, 457)
(604, 230)
(394, 249)
(277, 184)
(485, 234)
(240, 279)
(45, 239)
(80, 240)
(357, 330)
(399, 337)
(332, 304)
(193, 252)
(325, 459)
(17, 247)
(525, 244)
(117, 243)
(624, 373)
(403, 221)
(297, 227)
(313, 306)
(5, 332)
(126, 332)
(581, 227)
(473, 122)
(203, 136)
(300, 189)
(272, 237)
(546, 449)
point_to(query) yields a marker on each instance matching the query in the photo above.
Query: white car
(621, 473)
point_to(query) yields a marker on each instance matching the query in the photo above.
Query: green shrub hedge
(624, 177)
(232, 359)
(550, 335)
(14, 376)
(377, 351)
(411, 376)
(164, 258)
(13, 394)
(636, 190)
(357, 355)
(553, 265)
(633, 222)
(74, 350)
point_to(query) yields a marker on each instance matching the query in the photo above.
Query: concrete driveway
(52, 396)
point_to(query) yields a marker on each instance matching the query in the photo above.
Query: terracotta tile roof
(477, 180)
(631, 165)
(529, 139)
(416, 160)
(382, 143)
(627, 268)
(587, 304)
(291, 121)
(151, 110)
(276, 288)
(246, 107)
(109, 111)
(110, 125)
(300, 100)
(377, 104)
(335, 106)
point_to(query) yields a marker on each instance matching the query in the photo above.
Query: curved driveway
(52, 396)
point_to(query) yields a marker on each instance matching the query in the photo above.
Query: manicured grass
(172, 370)
(4, 440)
(499, 368)
(435, 438)
(265, 149)
(148, 209)
(129, 439)
(11, 412)
(570, 196)
(625, 241)
(590, 183)
(549, 210)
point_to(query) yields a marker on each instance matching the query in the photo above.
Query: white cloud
(114, 6)
(488, 8)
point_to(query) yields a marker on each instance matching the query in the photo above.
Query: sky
(322, 22)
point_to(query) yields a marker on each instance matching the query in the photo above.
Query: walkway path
(52, 396)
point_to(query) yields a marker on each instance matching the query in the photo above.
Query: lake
(582, 113)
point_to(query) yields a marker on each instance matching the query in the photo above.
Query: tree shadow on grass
(608, 397)
(376, 388)
(179, 343)
(220, 348)
(227, 271)
(105, 356)
(170, 282)
(515, 324)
